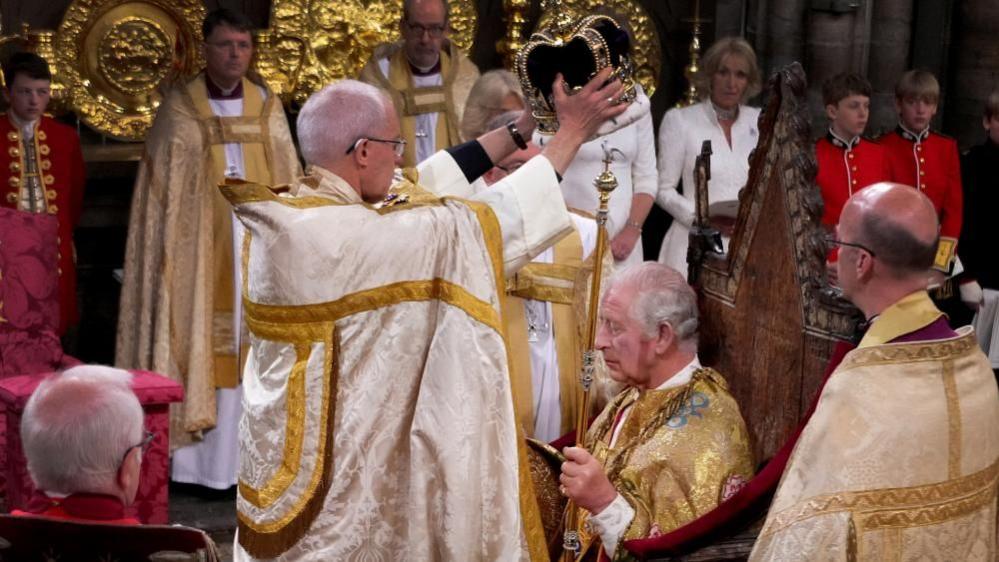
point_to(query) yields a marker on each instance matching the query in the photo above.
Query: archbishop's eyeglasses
(399, 145)
(145, 443)
(832, 241)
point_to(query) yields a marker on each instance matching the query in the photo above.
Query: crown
(577, 48)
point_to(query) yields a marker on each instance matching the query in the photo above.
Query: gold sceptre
(605, 183)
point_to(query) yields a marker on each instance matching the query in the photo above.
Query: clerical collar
(81, 505)
(910, 313)
(841, 143)
(417, 71)
(217, 93)
(911, 136)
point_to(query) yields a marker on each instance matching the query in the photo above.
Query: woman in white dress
(729, 77)
(634, 165)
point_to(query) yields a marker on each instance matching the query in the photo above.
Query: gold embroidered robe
(378, 419)
(458, 75)
(680, 452)
(899, 460)
(177, 296)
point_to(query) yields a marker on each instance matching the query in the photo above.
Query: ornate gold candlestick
(691, 71)
(605, 183)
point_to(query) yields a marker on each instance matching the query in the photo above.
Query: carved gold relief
(115, 57)
(646, 51)
(135, 55)
(314, 42)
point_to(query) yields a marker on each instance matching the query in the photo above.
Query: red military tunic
(59, 163)
(844, 168)
(930, 161)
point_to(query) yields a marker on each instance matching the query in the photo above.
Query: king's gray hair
(661, 296)
(77, 427)
(336, 117)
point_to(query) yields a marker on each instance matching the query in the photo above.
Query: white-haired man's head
(351, 129)
(82, 430)
(648, 325)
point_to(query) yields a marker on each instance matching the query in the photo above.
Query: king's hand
(584, 481)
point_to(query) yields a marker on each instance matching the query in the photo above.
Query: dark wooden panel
(769, 316)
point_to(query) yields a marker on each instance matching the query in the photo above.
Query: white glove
(971, 294)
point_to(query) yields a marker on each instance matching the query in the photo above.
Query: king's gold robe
(177, 300)
(899, 460)
(378, 422)
(679, 453)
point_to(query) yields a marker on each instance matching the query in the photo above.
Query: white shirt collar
(682, 376)
(27, 129)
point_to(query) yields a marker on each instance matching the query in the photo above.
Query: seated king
(673, 444)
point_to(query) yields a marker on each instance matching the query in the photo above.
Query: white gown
(680, 137)
(635, 172)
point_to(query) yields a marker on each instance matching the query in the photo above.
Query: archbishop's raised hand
(588, 108)
(581, 114)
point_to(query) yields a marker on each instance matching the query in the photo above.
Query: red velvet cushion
(29, 298)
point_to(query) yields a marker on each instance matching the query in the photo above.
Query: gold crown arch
(115, 57)
(312, 43)
(646, 49)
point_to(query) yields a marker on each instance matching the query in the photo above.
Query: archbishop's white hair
(661, 296)
(334, 118)
(77, 427)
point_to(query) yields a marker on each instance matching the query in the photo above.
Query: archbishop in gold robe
(672, 453)
(177, 301)
(900, 460)
(378, 419)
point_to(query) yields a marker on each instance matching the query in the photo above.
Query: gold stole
(554, 283)
(251, 131)
(410, 101)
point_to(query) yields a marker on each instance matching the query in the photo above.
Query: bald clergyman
(899, 460)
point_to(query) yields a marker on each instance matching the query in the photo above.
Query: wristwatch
(518, 139)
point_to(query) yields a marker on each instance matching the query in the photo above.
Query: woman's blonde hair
(485, 101)
(712, 61)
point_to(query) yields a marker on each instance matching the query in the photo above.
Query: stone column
(889, 58)
(974, 69)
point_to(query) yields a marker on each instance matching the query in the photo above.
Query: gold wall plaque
(312, 43)
(646, 51)
(114, 57)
